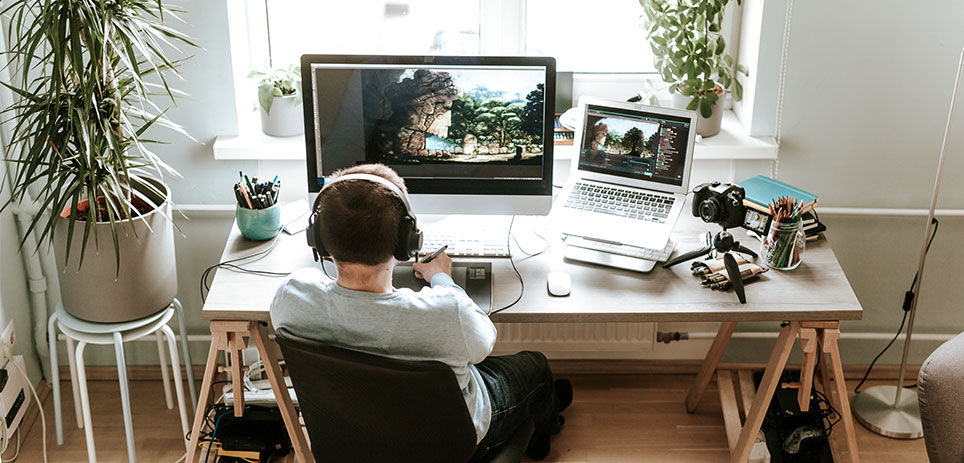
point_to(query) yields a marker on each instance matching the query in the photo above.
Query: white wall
(14, 301)
(865, 105)
(867, 96)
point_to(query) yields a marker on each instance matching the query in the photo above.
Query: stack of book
(760, 191)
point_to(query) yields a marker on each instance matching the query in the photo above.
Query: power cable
(908, 297)
(522, 283)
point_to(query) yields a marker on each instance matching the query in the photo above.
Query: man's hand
(441, 264)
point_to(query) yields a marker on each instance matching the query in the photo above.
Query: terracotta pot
(147, 280)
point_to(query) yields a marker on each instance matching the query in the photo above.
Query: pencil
(246, 197)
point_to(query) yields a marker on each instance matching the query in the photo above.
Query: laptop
(630, 179)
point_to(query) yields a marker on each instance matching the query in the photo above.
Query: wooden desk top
(816, 290)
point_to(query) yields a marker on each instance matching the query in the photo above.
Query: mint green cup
(259, 224)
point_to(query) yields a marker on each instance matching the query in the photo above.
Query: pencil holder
(783, 245)
(259, 224)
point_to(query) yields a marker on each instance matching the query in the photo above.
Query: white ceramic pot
(147, 280)
(286, 118)
(706, 127)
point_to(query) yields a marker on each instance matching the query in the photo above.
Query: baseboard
(134, 372)
(559, 367)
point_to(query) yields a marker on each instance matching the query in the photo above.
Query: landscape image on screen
(612, 135)
(453, 116)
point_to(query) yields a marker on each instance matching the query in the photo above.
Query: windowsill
(256, 146)
(730, 144)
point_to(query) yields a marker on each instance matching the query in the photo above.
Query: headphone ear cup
(313, 235)
(409, 239)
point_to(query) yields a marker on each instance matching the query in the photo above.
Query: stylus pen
(433, 255)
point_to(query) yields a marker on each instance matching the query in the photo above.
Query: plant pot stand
(85, 332)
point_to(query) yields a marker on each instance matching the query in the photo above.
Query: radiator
(600, 340)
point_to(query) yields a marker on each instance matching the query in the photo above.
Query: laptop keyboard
(632, 204)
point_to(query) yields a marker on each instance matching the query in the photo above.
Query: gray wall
(865, 104)
(14, 296)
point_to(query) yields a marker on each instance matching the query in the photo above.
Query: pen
(248, 182)
(433, 255)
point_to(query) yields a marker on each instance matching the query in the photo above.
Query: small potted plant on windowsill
(279, 101)
(691, 56)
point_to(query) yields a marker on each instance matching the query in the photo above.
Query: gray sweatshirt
(439, 323)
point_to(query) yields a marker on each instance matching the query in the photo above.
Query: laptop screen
(634, 144)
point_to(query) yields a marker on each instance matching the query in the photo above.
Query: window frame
(502, 33)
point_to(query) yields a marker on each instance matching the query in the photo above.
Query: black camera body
(720, 203)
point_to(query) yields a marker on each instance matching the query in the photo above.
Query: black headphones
(409, 236)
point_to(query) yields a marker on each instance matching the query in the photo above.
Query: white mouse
(560, 283)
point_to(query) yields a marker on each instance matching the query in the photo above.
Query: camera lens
(710, 210)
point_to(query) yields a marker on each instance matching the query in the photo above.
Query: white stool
(86, 332)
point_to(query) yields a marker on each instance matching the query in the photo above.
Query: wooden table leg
(204, 394)
(768, 385)
(298, 439)
(731, 413)
(808, 341)
(829, 341)
(235, 346)
(708, 367)
(824, 371)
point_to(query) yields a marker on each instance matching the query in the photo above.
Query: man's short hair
(359, 219)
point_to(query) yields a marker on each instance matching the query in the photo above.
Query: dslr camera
(720, 203)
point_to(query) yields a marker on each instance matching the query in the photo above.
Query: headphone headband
(409, 236)
(377, 179)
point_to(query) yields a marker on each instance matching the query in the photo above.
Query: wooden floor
(613, 418)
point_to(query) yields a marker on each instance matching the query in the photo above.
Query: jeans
(520, 387)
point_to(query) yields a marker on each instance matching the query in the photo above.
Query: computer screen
(636, 144)
(447, 125)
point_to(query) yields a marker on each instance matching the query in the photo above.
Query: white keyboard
(658, 255)
(466, 243)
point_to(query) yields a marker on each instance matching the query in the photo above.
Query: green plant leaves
(705, 108)
(277, 82)
(266, 94)
(689, 50)
(86, 74)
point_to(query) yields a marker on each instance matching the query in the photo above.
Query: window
(602, 36)
(601, 43)
(363, 27)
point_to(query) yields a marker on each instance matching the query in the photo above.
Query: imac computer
(469, 134)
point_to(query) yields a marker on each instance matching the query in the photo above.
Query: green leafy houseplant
(690, 51)
(276, 83)
(87, 75)
(86, 72)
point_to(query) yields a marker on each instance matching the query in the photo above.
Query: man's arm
(478, 332)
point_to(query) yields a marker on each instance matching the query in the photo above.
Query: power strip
(263, 397)
(14, 396)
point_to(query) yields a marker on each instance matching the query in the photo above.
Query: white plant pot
(147, 280)
(286, 118)
(706, 127)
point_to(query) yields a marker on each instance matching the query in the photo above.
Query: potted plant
(279, 101)
(691, 56)
(86, 74)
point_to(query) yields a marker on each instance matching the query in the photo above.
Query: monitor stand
(474, 277)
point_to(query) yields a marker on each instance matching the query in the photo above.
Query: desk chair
(366, 408)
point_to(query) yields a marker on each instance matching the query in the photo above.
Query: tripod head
(724, 243)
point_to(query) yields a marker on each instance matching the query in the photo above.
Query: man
(361, 310)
